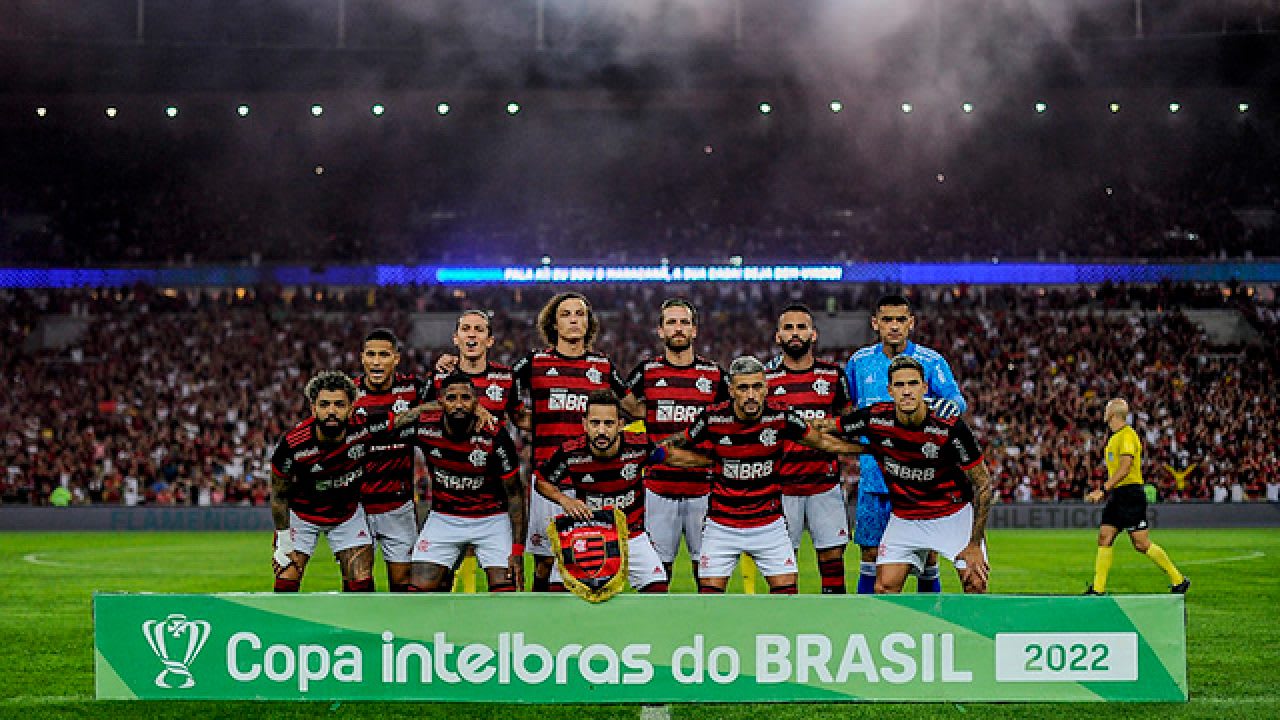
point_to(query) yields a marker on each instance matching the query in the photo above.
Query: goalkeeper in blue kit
(868, 374)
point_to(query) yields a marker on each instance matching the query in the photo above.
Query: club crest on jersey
(822, 387)
(591, 553)
(494, 393)
(768, 437)
(594, 375)
(399, 406)
(629, 471)
(356, 452)
(478, 457)
(703, 384)
(930, 450)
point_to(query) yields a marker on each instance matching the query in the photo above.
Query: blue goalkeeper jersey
(868, 373)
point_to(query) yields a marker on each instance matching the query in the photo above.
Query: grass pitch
(46, 669)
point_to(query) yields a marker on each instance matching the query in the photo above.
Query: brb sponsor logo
(668, 411)
(176, 641)
(747, 470)
(567, 401)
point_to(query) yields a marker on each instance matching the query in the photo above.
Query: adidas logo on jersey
(661, 383)
(435, 452)
(553, 373)
(725, 440)
(790, 562)
(780, 391)
(362, 534)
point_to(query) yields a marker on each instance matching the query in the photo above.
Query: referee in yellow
(1127, 507)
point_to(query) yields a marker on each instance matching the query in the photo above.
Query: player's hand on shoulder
(943, 408)
(446, 363)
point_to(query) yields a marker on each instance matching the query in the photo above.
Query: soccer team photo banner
(679, 648)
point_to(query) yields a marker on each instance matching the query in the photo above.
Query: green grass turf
(46, 667)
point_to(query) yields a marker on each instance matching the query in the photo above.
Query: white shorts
(825, 515)
(666, 519)
(541, 512)
(643, 565)
(909, 541)
(394, 531)
(352, 532)
(444, 538)
(768, 545)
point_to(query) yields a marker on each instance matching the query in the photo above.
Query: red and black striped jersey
(468, 473)
(673, 396)
(923, 466)
(388, 475)
(557, 386)
(744, 484)
(322, 480)
(819, 392)
(495, 390)
(604, 482)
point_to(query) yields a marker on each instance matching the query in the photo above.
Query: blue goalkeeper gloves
(943, 408)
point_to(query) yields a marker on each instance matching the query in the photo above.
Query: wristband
(517, 549)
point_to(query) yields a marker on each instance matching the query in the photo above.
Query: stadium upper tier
(178, 396)
(297, 181)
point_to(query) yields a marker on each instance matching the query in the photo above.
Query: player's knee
(869, 554)
(885, 588)
(1142, 546)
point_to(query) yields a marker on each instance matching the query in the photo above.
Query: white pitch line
(1235, 558)
(45, 699)
(34, 559)
(655, 712)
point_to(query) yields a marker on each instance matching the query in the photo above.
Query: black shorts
(1127, 508)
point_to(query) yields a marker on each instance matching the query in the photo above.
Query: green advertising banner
(678, 648)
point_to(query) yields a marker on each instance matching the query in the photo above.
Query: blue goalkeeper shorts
(872, 518)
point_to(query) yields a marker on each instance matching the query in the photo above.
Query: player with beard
(812, 496)
(605, 469)
(745, 438)
(386, 493)
(477, 494)
(557, 380)
(316, 474)
(868, 375)
(669, 390)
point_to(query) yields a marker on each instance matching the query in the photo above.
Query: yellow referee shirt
(1125, 442)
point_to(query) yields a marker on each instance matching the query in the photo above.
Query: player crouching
(939, 488)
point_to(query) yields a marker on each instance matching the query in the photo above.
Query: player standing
(386, 492)
(477, 497)
(669, 390)
(812, 496)
(745, 438)
(494, 382)
(868, 375)
(605, 469)
(316, 472)
(1127, 507)
(557, 380)
(939, 487)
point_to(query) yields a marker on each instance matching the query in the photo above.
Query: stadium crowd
(174, 397)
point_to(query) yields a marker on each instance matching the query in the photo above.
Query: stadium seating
(176, 397)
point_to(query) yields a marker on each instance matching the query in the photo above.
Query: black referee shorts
(1127, 508)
